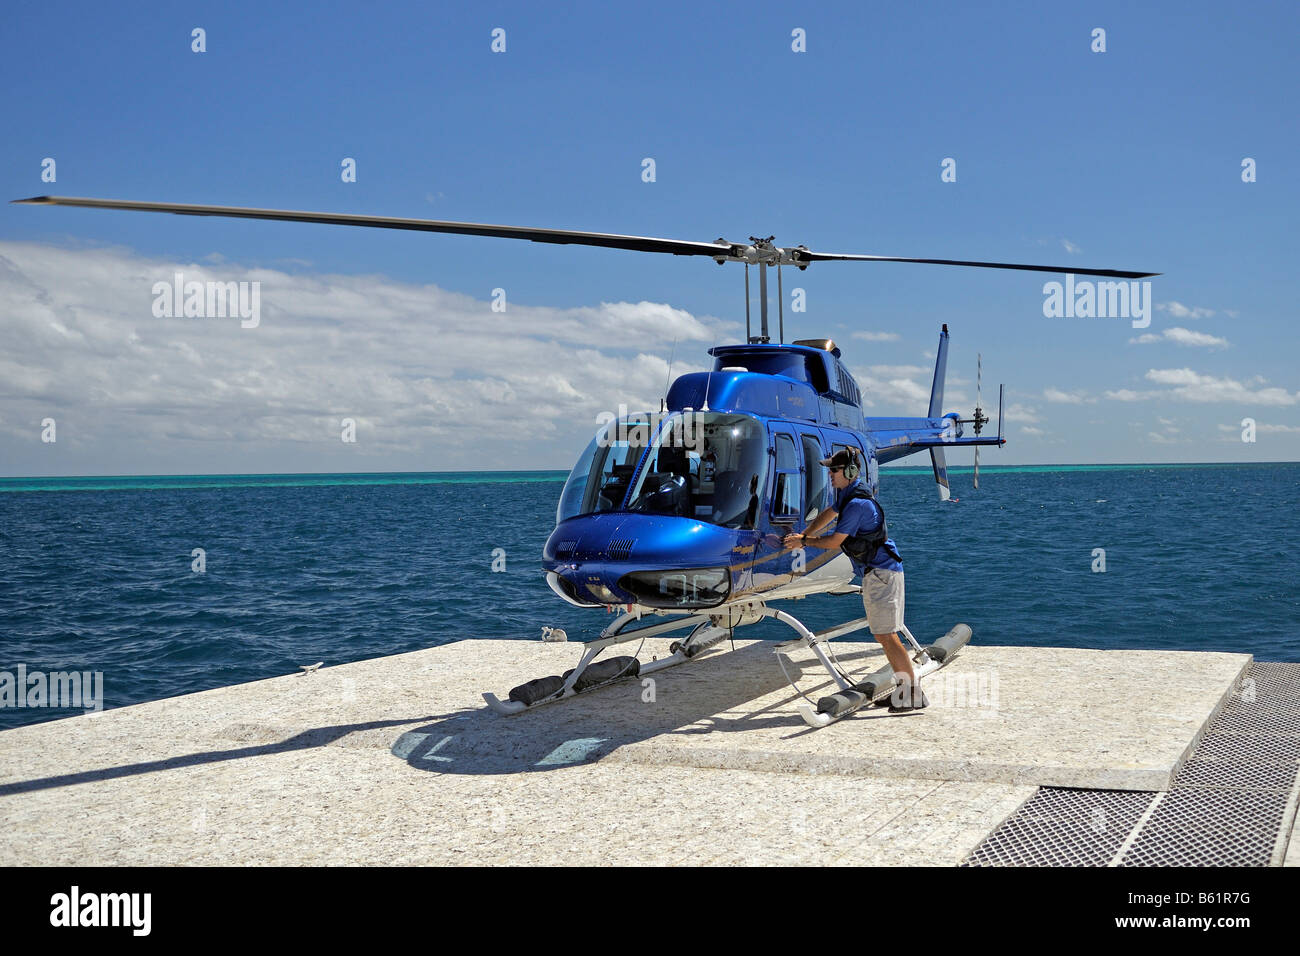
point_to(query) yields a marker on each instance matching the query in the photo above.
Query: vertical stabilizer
(940, 473)
(940, 372)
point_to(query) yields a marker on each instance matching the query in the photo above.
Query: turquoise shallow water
(95, 573)
(154, 482)
(159, 482)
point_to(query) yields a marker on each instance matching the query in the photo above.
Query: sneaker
(905, 700)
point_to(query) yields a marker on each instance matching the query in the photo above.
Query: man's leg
(897, 656)
(882, 598)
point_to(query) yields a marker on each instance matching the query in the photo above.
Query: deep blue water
(95, 574)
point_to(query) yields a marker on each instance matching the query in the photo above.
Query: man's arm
(821, 521)
(826, 543)
(811, 539)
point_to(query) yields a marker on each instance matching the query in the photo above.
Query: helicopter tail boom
(896, 438)
(899, 441)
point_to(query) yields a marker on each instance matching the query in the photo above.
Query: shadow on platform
(710, 695)
(316, 737)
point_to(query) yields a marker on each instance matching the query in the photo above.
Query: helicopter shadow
(714, 694)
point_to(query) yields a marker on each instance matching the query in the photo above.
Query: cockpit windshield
(704, 465)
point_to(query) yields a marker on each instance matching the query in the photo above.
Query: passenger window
(814, 477)
(785, 499)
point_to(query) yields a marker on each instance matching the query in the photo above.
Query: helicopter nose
(655, 560)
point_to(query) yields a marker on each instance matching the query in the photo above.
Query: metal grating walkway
(1232, 803)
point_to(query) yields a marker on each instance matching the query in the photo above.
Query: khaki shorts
(882, 597)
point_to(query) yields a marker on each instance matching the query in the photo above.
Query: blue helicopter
(679, 515)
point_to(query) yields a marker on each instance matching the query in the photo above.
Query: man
(860, 522)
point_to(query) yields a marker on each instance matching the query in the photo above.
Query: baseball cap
(841, 458)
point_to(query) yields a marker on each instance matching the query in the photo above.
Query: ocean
(99, 574)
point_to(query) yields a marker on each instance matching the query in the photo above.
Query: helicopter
(679, 514)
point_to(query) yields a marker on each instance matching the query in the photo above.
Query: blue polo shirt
(860, 516)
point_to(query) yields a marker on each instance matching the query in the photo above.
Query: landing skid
(711, 627)
(589, 675)
(880, 684)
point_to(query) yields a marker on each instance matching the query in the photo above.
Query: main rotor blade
(834, 257)
(677, 247)
(563, 236)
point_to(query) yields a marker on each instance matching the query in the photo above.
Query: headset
(852, 469)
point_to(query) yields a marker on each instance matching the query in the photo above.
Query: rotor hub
(762, 251)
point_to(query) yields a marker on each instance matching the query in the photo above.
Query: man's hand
(792, 541)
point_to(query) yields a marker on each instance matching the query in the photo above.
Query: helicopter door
(787, 485)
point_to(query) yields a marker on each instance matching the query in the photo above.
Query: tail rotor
(979, 420)
(979, 375)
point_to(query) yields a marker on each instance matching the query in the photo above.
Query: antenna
(663, 402)
(709, 380)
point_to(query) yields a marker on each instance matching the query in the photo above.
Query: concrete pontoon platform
(398, 760)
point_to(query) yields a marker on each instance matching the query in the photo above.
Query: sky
(1129, 158)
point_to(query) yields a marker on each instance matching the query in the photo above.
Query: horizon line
(481, 471)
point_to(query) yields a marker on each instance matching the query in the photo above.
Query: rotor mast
(763, 253)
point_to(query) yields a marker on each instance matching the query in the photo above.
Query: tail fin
(940, 472)
(940, 372)
(936, 410)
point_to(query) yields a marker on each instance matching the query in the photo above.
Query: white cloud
(893, 389)
(1022, 414)
(1030, 430)
(1063, 397)
(876, 336)
(1070, 247)
(1194, 386)
(906, 392)
(1264, 429)
(1180, 311)
(421, 369)
(908, 371)
(1182, 337)
(1190, 386)
(1188, 337)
